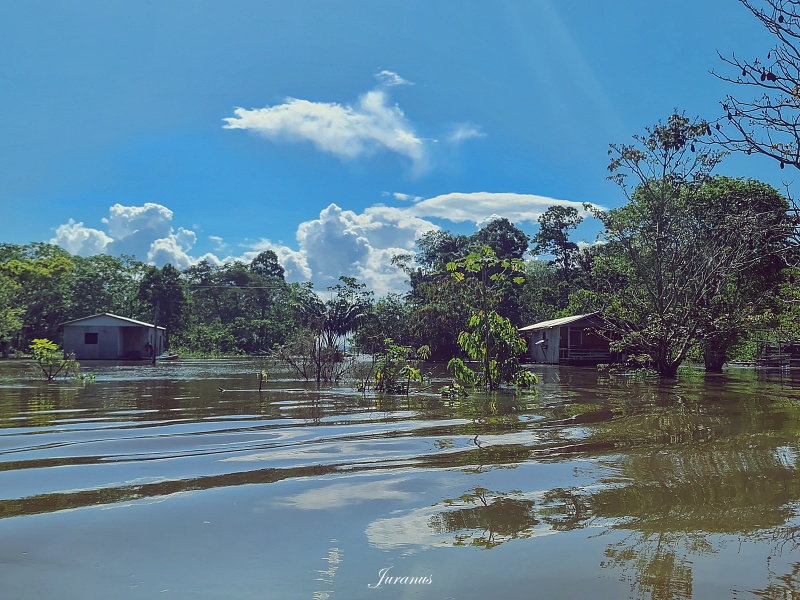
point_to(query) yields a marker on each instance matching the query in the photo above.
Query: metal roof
(125, 319)
(555, 322)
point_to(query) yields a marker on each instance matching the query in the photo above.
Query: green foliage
(489, 338)
(493, 342)
(37, 283)
(51, 360)
(674, 270)
(165, 291)
(10, 315)
(438, 305)
(388, 317)
(397, 366)
(239, 308)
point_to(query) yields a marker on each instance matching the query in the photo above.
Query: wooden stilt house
(569, 341)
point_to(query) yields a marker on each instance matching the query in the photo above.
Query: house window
(575, 336)
(89, 338)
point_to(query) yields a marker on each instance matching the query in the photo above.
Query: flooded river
(184, 481)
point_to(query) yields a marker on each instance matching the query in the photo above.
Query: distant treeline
(691, 267)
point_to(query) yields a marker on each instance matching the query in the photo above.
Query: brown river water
(182, 480)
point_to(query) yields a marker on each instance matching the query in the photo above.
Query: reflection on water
(595, 486)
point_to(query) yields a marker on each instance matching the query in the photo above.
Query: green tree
(10, 314)
(165, 292)
(439, 307)
(42, 274)
(388, 317)
(51, 360)
(539, 294)
(502, 236)
(761, 222)
(490, 338)
(553, 236)
(104, 283)
(553, 239)
(317, 350)
(663, 262)
(266, 264)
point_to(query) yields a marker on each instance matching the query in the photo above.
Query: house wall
(109, 341)
(547, 351)
(567, 344)
(113, 341)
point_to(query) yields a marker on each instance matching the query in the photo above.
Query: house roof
(124, 321)
(556, 322)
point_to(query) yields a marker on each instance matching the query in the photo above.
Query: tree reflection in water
(489, 520)
(682, 483)
(779, 587)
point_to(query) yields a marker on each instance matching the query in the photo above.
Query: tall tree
(553, 239)
(503, 237)
(671, 261)
(104, 283)
(553, 235)
(750, 294)
(266, 264)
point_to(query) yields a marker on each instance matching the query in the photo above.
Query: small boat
(167, 357)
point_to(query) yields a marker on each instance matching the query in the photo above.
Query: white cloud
(348, 132)
(477, 207)
(338, 242)
(144, 232)
(219, 243)
(390, 78)
(173, 249)
(127, 221)
(464, 131)
(342, 242)
(78, 239)
(583, 245)
(404, 197)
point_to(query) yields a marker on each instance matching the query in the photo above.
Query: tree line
(692, 265)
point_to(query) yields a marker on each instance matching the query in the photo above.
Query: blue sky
(336, 132)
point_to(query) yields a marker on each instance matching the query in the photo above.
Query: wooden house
(569, 340)
(107, 336)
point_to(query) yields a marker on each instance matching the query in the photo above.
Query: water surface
(183, 480)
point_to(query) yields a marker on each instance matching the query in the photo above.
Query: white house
(107, 336)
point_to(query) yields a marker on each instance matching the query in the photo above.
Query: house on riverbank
(569, 341)
(106, 336)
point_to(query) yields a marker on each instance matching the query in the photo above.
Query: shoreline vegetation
(694, 267)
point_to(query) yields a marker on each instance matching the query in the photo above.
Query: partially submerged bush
(52, 361)
(397, 366)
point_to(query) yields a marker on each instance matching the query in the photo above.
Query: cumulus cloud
(342, 242)
(477, 207)
(338, 242)
(173, 249)
(145, 232)
(128, 221)
(78, 239)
